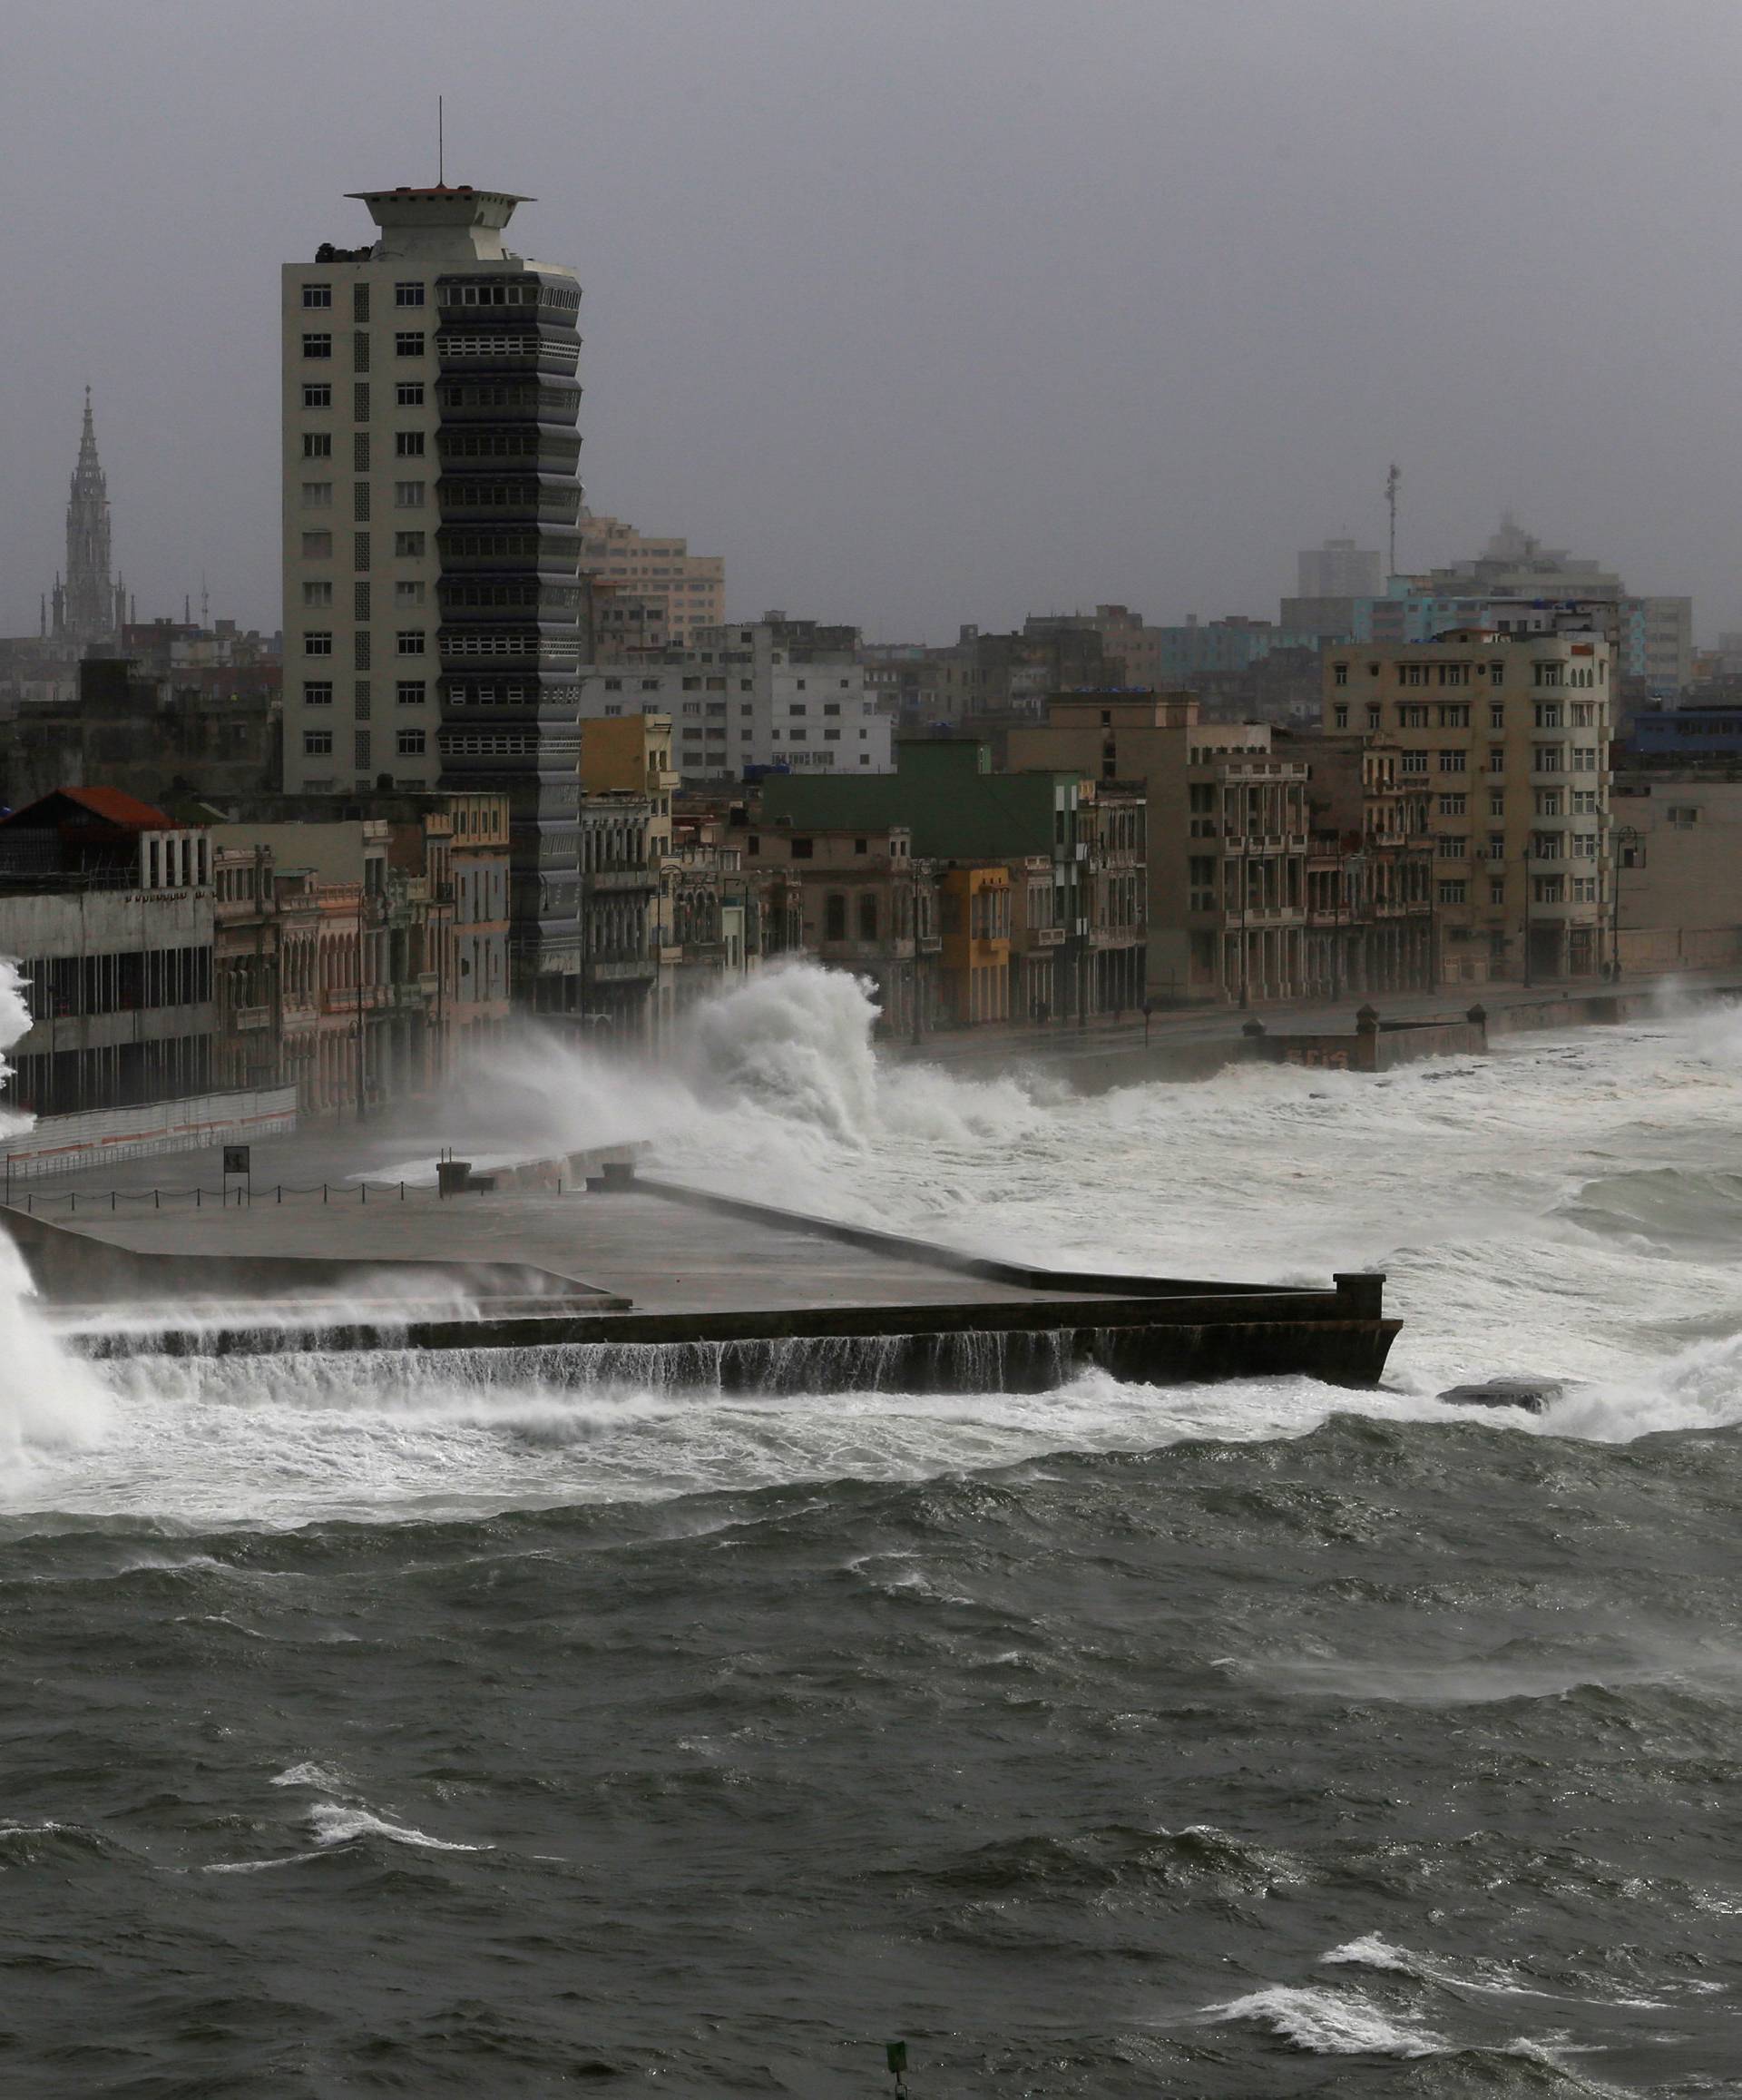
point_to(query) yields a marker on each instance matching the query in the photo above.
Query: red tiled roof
(108, 804)
(117, 808)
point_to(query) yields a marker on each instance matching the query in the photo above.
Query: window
(411, 642)
(318, 594)
(1584, 762)
(408, 295)
(1496, 846)
(1547, 674)
(410, 743)
(1584, 846)
(316, 295)
(316, 346)
(408, 495)
(1550, 888)
(1548, 714)
(834, 915)
(1451, 761)
(1454, 892)
(316, 693)
(408, 593)
(1410, 717)
(317, 445)
(1582, 713)
(1372, 714)
(409, 344)
(1454, 717)
(318, 642)
(319, 397)
(316, 547)
(1497, 717)
(409, 393)
(408, 547)
(1412, 762)
(1340, 716)
(1546, 758)
(1339, 674)
(1453, 805)
(1584, 889)
(1584, 801)
(317, 495)
(1497, 673)
(1497, 892)
(1682, 816)
(1453, 847)
(1497, 803)
(408, 445)
(316, 742)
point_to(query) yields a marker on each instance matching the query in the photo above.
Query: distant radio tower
(1392, 479)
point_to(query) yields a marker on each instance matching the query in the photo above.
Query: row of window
(1544, 846)
(1545, 889)
(407, 693)
(318, 546)
(406, 495)
(316, 591)
(322, 295)
(318, 642)
(1543, 673)
(409, 743)
(1544, 759)
(319, 343)
(1547, 714)
(318, 445)
(407, 394)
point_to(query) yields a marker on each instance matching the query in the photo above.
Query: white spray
(47, 1397)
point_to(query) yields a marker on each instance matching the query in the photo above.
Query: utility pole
(1392, 481)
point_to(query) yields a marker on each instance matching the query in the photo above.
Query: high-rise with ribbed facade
(431, 507)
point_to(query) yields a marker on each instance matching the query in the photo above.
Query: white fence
(60, 1145)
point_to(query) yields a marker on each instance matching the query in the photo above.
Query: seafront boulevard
(1191, 1042)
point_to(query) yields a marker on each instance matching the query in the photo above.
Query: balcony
(246, 1017)
(618, 971)
(597, 878)
(1035, 937)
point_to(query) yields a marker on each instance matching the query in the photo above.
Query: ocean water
(391, 1726)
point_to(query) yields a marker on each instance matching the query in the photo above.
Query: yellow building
(1509, 732)
(973, 918)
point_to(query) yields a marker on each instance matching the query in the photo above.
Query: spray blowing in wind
(47, 1397)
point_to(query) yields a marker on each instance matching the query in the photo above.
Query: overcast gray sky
(920, 311)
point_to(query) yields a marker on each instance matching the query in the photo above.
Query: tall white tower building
(431, 510)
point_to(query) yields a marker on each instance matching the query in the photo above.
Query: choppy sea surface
(381, 1726)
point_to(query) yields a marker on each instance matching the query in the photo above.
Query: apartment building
(855, 896)
(1225, 837)
(431, 509)
(1510, 733)
(777, 693)
(690, 590)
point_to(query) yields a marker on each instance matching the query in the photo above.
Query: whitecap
(334, 1825)
(1330, 2023)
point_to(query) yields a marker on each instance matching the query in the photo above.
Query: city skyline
(826, 340)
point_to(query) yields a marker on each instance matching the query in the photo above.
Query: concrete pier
(642, 1278)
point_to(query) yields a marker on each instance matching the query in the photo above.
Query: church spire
(90, 596)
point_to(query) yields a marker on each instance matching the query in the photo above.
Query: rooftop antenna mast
(441, 146)
(1392, 480)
